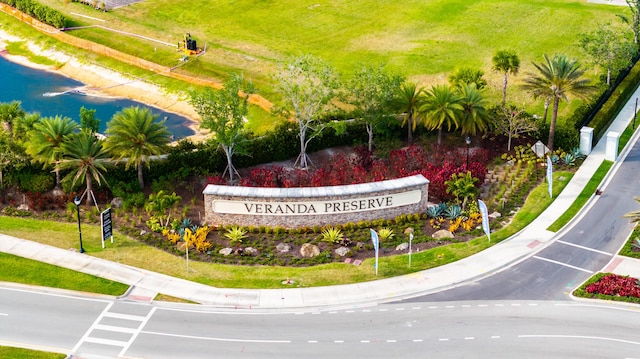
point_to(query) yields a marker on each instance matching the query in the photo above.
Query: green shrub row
(41, 12)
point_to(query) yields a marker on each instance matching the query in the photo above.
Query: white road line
(399, 309)
(416, 308)
(365, 341)
(383, 310)
(495, 337)
(115, 343)
(137, 332)
(579, 337)
(366, 311)
(391, 341)
(338, 341)
(563, 264)
(349, 311)
(443, 339)
(4, 314)
(533, 304)
(137, 318)
(499, 305)
(433, 307)
(417, 340)
(220, 339)
(469, 338)
(450, 306)
(483, 305)
(312, 341)
(466, 306)
(515, 304)
(585, 248)
(112, 328)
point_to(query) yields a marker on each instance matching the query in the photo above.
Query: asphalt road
(533, 329)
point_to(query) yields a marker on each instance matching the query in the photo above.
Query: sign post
(106, 224)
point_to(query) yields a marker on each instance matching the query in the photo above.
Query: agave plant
(436, 211)
(636, 243)
(453, 211)
(577, 153)
(332, 234)
(568, 159)
(554, 158)
(236, 234)
(385, 233)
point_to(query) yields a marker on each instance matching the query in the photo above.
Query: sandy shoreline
(100, 81)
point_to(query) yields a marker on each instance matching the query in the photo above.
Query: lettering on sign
(317, 207)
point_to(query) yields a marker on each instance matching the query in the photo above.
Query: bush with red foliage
(616, 285)
(437, 165)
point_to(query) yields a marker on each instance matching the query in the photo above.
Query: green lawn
(424, 40)
(19, 353)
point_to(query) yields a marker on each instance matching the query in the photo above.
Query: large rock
(283, 247)
(309, 250)
(402, 246)
(342, 251)
(443, 233)
(116, 202)
(226, 251)
(250, 251)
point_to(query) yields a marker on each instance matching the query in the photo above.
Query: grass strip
(26, 271)
(131, 252)
(583, 197)
(20, 353)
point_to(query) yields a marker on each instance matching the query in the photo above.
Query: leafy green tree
(47, 139)
(22, 126)
(86, 159)
(307, 86)
(135, 134)
(506, 62)
(634, 21)
(467, 76)
(441, 107)
(607, 49)
(9, 113)
(462, 186)
(408, 101)
(473, 118)
(88, 119)
(224, 113)
(12, 155)
(370, 92)
(557, 78)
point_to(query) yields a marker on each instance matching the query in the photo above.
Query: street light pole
(635, 112)
(468, 141)
(76, 201)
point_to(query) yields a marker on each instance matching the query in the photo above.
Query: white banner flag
(485, 218)
(376, 242)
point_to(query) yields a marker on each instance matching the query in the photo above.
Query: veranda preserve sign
(309, 206)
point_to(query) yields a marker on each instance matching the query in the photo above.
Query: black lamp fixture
(76, 201)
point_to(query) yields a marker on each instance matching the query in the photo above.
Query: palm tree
(9, 113)
(441, 107)
(46, 140)
(474, 117)
(408, 101)
(85, 156)
(633, 215)
(134, 134)
(507, 62)
(557, 78)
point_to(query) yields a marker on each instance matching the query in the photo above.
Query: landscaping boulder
(495, 215)
(226, 251)
(309, 250)
(116, 202)
(283, 248)
(443, 233)
(402, 246)
(250, 251)
(342, 251)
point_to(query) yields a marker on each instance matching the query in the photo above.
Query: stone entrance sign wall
(311, 206)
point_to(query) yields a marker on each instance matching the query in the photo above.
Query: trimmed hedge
(40, 12)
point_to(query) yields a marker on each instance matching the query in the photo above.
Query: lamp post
(635, 112)
(76, 201)
(468, 141)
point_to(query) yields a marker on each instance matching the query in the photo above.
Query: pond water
(44, 92)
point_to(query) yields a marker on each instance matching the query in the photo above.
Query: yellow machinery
(188, 46)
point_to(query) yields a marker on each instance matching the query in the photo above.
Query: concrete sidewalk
(145, 284)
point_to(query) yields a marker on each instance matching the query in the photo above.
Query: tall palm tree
(135, 134)
(557, 78)
(408, 101)
(9, 113)
(441, 107)
(507, 62)
(46, 140)
(86, 158)
(474, 117)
